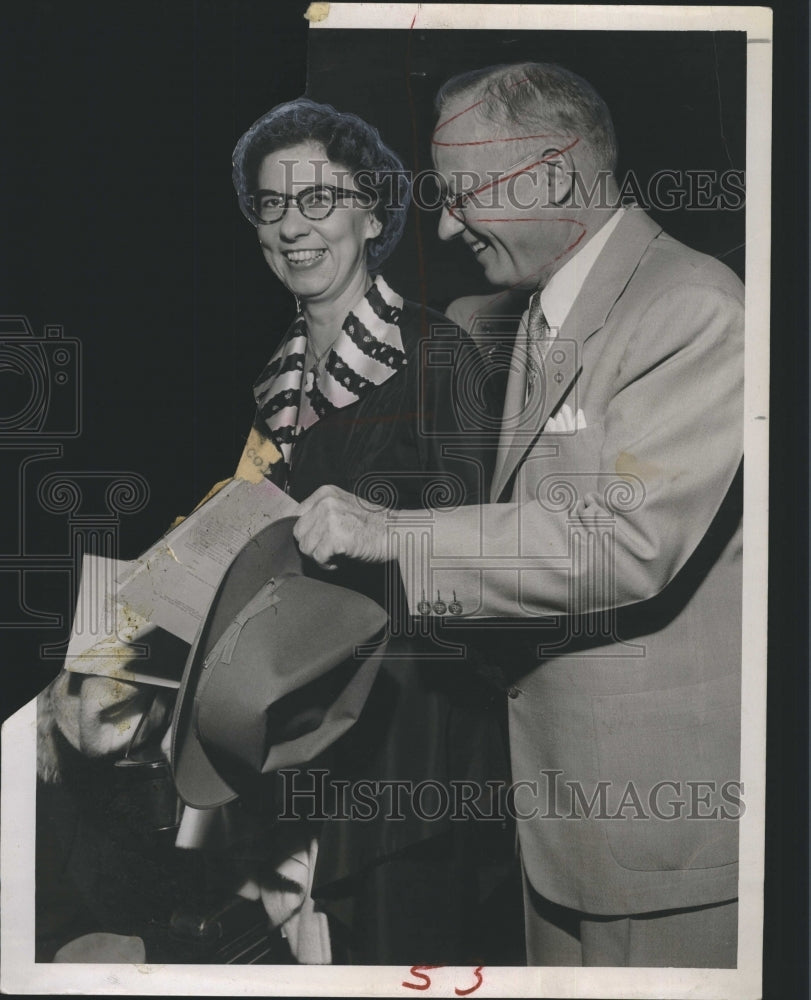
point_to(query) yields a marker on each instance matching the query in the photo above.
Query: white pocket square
(565, 422)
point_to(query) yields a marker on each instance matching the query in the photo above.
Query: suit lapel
(604, 284)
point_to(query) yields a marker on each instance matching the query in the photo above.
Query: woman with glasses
(351, 398)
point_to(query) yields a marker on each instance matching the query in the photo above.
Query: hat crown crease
(223, 649)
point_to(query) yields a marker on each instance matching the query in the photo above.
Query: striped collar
(366, 353)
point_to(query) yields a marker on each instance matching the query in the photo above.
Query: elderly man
(607, 567)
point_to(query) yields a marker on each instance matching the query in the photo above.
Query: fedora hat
(280, 668)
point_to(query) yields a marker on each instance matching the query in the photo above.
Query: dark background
(119, 223)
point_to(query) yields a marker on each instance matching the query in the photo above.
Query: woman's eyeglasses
(317, 202)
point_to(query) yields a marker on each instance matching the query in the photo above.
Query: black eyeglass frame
(336, 194)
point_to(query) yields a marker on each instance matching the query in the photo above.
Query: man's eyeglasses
(316, 203)
(486, 194)
(456, 203)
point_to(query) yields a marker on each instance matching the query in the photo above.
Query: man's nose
(293, 223)
(450, 224)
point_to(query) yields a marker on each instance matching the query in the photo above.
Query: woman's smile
(304, 258)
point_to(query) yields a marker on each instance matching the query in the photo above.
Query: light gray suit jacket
(616, 560)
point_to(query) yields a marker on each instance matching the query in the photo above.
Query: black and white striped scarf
(366, 353)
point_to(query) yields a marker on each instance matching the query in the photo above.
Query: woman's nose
(450, 224)
(293, 223)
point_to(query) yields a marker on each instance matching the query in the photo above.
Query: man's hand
(335, 523)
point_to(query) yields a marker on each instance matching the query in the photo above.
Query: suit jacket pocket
(669, 761)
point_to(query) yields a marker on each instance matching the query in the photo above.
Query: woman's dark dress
(411, 890)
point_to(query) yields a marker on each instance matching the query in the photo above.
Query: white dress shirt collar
(564, 286)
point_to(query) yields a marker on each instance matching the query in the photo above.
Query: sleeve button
(513, 692)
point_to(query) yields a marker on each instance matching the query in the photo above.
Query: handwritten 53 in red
(416, 972)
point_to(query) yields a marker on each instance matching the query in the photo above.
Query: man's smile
(477, 245)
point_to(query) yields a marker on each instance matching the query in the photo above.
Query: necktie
(537, 341)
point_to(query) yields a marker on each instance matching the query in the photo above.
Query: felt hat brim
(281, 667)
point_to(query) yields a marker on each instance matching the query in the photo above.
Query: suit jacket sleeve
(616, 525)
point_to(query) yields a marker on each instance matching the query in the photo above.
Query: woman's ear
(559, 172)
(375, 226)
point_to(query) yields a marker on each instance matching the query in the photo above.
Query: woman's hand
(333, 523)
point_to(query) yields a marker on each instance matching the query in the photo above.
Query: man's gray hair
(537, 97)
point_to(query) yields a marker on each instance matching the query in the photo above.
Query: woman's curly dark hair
(349, 142)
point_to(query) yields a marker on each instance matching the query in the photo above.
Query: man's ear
(375, 227)
(558, 170)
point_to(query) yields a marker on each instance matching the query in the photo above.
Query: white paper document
(135, 620)
(173, 582)
(109, 640)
